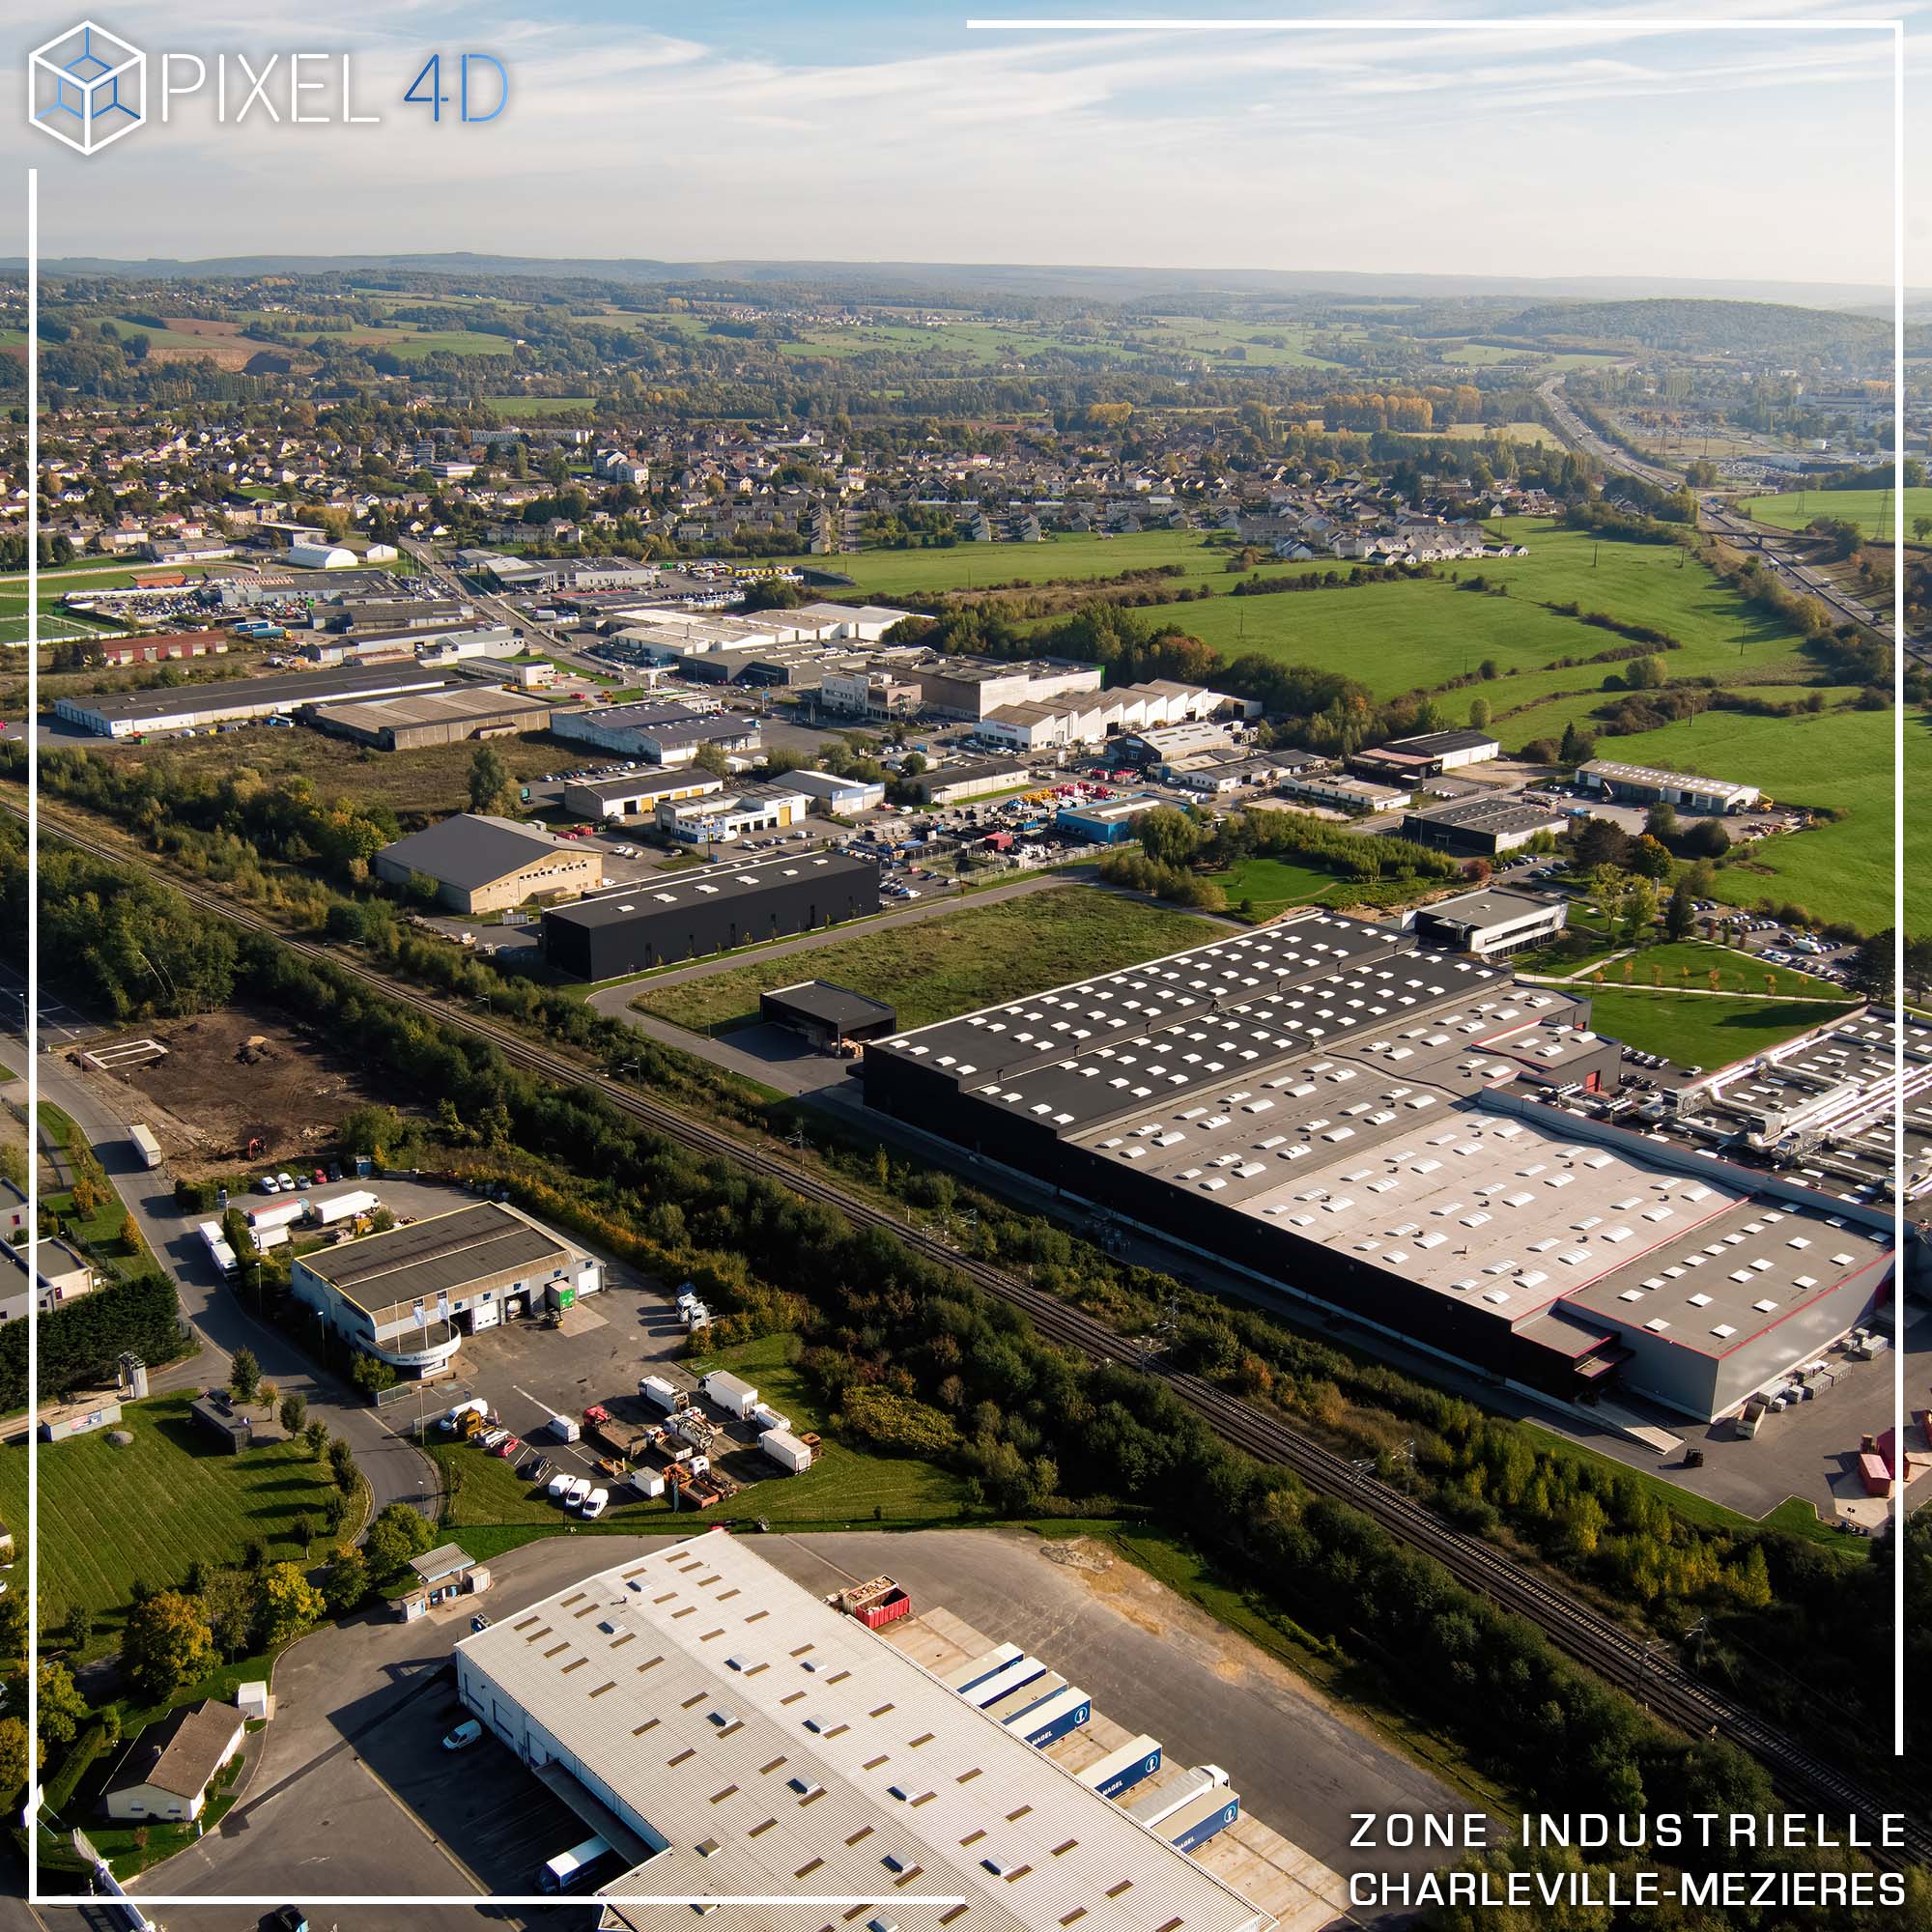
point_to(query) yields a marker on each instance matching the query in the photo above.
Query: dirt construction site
(231, 1088)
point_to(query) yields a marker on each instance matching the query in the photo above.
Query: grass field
(1870, 509)
(541, 405)
(1510, 432)
(1691, 962)
(884, 573)
(931, 969)
(148, 1511)
(1276, 884)
(844, 1487)
(1699, 1031)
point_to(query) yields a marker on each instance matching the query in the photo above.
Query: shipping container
(991, 1689)
(964, 1676)
(1067, 1709)
(647, 1482)
(1121, 1770)
(146, 1145)
(875, 1603)
(1177, 1792)
(658, 1392)
(1198, 1822)
(1874, 1475)
(786, 1451)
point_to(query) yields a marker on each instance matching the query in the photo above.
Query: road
(1614, 1649)
(1769, 545)
(219, 1314)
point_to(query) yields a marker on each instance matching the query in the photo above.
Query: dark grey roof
(663, 894)
(643, 784)
(471, 849)
(1494, 907)
(443, 1253)
(834, 1006)
(293, 688)
(1433, 744)
(192, 1752)
(1488, 814)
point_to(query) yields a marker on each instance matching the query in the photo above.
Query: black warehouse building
(690, 915)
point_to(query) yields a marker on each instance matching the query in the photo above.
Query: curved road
(396, 1471)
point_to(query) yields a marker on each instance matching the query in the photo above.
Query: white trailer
(343, 1208)
(990, 1690)
(648, 1482)
(962, 1677)
(1175, 1793)
(219, 1250)
(278, 1216)
(767, 1417)
(785, 1450)
(658, 1392)
(724, 1391)
(145, 1145)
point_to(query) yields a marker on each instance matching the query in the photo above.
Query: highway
(1647, 1668)
(1769, 545)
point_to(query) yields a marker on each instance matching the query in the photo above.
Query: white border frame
(1895, 27)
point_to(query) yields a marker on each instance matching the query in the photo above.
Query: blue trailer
(991, 1690)
(967, 1675)
(1065, 1711)
(1016, 1703)
(1198, 1820)
(1121, 1770)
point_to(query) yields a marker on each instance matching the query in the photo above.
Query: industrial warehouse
(191, 707)
(408, 1297)
(1381, 1128)
(725, 1732)
(687, 914)
(432, 718)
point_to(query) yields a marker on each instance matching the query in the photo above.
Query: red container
(887, 1610)
(1875, 1476)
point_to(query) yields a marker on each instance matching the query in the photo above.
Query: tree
(168, 1644)
(1479, 714)
(1639, 909)
(1869, 971)
(294, 1415)
(316, 1435)
(912, 765)
(63, 1709)
(286, 1603)
(1578, 748)
(1921, 529)
(1168, 835)
(268, 1396)
(130, 1235)
(345, 1583)
(78, 1627)
(371, 1375)
(334, 1512)
(244, 1375)
(491, 787)
(1707, 839)
(342, 1466)
(711, 758)
(1661, 821)
(1649, 859)
(303, 1531)
(399, 1533)
(1680, 915)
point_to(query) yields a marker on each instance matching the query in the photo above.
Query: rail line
(1642, 1668)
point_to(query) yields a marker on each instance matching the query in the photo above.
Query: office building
(1492, 923)
(480, 862)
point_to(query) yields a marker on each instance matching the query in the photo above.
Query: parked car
(558, 1488)
(287, 1919)
(286, 1183)
(580, 1489)
(268, 1184)
(596, 1504)
(508, 1448)
(465, 1734)
(479, 1623)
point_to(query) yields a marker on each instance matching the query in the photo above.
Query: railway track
(1645, 1668)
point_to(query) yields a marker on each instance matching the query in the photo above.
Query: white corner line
(30, 1031)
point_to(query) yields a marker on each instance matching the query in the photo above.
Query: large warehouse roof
(286, 690)
(780, 1748)
(472, 848)
(434, 708)
(443, 1254)
(666, 893)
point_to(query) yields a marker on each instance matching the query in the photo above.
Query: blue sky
(868, 130)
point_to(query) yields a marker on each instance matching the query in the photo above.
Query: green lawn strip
(934, 968)
(1699, 1031)
(98, 1232)
(1688, 963)
(145, 1512)
(1793, 1517)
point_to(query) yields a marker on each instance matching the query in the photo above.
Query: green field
(887, 573)
(1691, 962)
(541, 405)
(1841, 759)
(146, 1512)
(1870, 509)
(844, 1487)
(933, 968)
(1510, 432)
(1697, 1030)
(1276, 884)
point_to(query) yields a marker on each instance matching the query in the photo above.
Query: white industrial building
(837, 796)
(319, 556)
(1641, 784)
(728, 1732)
(718, 818)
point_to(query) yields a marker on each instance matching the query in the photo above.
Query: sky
(890, 130)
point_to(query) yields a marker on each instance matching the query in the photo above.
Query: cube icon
(87, 88)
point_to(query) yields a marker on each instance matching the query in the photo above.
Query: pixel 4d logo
(87, 88)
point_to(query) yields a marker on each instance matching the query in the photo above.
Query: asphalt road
(101, 1108)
